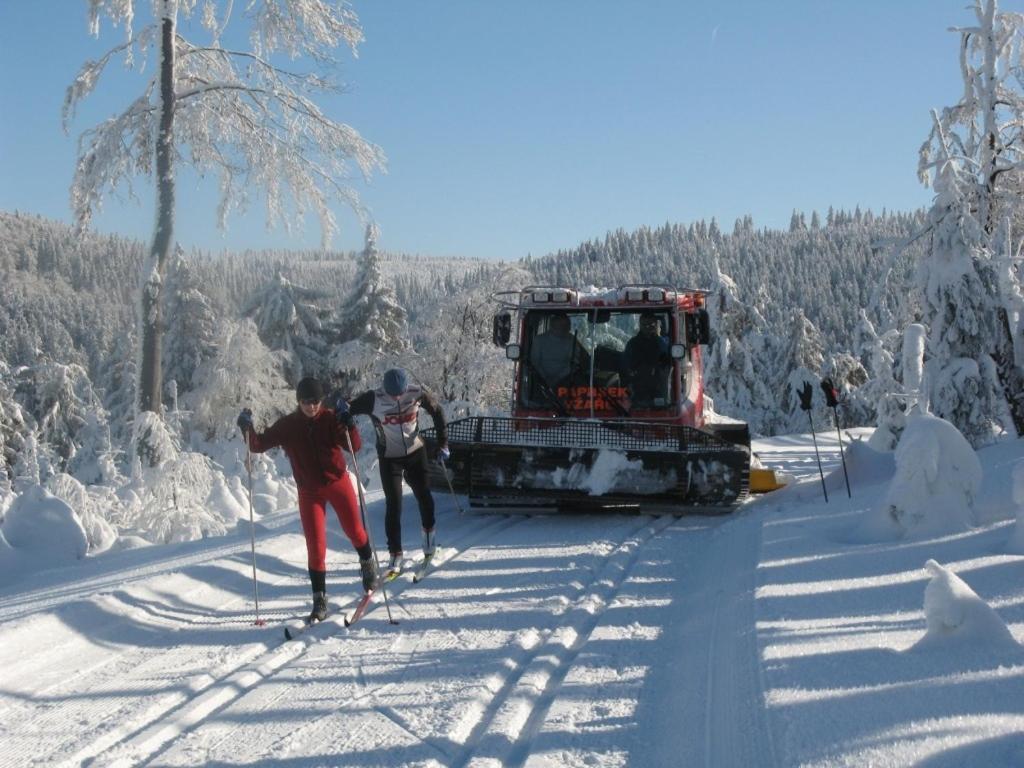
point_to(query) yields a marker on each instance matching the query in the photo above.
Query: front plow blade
(567, 463)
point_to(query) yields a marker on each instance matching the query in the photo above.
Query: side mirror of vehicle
(502, 329)
(698, 328)
(677, 351)
(512, 351)
(703, 326)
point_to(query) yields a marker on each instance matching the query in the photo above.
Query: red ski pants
(313, 512)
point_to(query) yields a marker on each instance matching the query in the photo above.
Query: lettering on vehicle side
(581, 398)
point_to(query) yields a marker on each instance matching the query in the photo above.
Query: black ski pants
(413, 469)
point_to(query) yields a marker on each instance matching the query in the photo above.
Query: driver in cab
(556, 354)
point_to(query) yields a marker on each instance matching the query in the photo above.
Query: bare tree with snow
(237, 114)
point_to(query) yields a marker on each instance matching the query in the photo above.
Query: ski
(360, 609)
(392, 575)
(293, 630)
(423, 568)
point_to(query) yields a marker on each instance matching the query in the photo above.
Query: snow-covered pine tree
(974, 159)
(14, 424)
(190, 324)
(881, 389)
(230, 113)
(736, 362)
(65, 408)
(801, 361)
(374, 323)
(289, 319)
(374, 315)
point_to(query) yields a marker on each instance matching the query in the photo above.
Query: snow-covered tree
(236, 114)
(460, 363)
(801, 362)
(191, 324)
(735, 363)
(67, 412)
(374, 325)
(14, 424)
(289, 319)
(974, 159)
(243, 373)
(374, 315)
(881, 389)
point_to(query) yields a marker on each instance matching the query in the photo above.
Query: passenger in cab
(648, 364)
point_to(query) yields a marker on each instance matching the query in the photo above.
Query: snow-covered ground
(793, 632)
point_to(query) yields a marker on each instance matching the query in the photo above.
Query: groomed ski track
(539, 641)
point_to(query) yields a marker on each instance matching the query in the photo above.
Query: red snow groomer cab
(607, 408)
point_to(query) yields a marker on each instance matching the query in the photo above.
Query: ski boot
(368, 570)
(319, 612)
(428, 543)
(394, 565)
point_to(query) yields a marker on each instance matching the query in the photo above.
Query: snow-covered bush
(92, 505)
(45, 527)
(938, 476)
(174, 503)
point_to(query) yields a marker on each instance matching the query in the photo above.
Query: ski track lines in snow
(508, 722)
(486, 671)
(110, 653)
(347, 720)
(133, 735)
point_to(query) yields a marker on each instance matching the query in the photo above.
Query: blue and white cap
(396, 381)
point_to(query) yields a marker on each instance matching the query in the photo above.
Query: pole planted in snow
(805, 394)
(252, 533)
(832, 400)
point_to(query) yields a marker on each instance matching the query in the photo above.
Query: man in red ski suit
(313, 440)
(394, 409)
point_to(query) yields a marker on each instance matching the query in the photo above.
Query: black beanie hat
(309, 389)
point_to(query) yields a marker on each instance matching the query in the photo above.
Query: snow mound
(864, 464)
(224, 502)
(42, 526)
(956, 616)
(1017, 539)
(937, 478)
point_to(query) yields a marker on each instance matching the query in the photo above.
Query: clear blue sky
(525, 127)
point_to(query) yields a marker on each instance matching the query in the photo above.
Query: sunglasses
(310, 402)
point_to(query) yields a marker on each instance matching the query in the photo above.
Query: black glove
(245, 420)
(805, 396)
(831, 393)
(342, 412)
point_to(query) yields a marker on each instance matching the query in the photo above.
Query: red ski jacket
(313, 446)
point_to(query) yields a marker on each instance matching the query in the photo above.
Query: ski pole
(252, 533)
(366, 527)
(451, 490)
(805, 404)
(832, 399)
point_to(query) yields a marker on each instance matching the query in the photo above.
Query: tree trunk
(151, 329)
(1010, 376)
